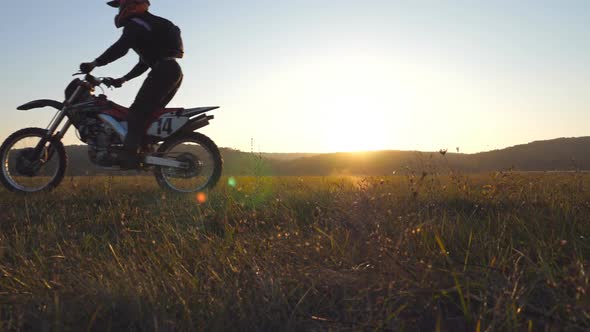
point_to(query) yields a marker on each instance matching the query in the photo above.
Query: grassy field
(493, 252)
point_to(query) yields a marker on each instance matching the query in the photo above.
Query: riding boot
(129, 159)
(129, 156)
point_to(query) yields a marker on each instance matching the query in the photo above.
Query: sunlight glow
(358, 100)
(201, 198)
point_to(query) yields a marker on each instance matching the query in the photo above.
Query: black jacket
(153, 38)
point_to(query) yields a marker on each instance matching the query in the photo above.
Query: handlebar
(94, 81)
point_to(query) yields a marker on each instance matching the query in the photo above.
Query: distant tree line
(563, 154)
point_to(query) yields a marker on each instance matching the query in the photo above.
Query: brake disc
(25, 165)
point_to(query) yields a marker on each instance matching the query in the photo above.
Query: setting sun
(356, 103)
(350, 103)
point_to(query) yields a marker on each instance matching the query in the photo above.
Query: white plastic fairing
(167, 125)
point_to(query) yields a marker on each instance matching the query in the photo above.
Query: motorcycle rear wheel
(202, 156)
(26, 170)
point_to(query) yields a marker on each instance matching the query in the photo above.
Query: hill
(561, 154)
(555, 154)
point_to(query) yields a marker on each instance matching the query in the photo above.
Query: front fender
(40, 103)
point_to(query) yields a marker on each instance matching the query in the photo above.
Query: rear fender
(172, 125)
(192, 125)
(167, 125)
(40, 104)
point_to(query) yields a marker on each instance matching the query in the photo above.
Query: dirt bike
(182, 160)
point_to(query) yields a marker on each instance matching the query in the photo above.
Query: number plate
(167, 125)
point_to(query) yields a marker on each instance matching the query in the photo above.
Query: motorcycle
(182, 160)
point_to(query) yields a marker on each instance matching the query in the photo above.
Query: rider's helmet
(128, 8)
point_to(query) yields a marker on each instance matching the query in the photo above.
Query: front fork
(52, 129)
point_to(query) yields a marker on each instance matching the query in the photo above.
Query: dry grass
(424, 252)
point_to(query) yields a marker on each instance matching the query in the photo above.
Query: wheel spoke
(203, 159)
(200, 169)
(29, 162)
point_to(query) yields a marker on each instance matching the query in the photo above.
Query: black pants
(156, 92)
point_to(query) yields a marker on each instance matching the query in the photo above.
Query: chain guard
(194, 169)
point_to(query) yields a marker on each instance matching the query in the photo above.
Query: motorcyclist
(158, 43)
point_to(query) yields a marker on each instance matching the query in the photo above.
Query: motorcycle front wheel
(201, 155)
(31, 163)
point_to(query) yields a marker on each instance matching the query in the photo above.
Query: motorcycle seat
(121, 112)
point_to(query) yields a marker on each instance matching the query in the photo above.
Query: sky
(331, 75)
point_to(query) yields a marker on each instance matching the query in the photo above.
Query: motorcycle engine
(100, 138)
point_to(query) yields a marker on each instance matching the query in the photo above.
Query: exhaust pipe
(198, 122)
(190, 112)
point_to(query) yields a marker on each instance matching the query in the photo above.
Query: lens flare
(232, 182)
(201, 198)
